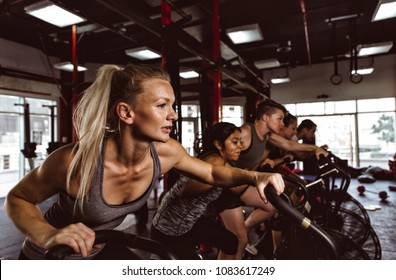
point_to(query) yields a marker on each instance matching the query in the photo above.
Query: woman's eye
(162, 105)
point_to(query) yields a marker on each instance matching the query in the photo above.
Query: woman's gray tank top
(96, 214)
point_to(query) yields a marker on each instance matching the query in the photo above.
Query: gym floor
(383, 220)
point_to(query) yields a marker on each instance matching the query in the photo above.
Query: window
(190, 126)
(13, 164)
(361, 131)
(233, 114)
(376, 138)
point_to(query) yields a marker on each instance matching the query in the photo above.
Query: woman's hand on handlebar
(288, 158)
(77, 236)
(268, 162)
(319, 151)
(274, 179)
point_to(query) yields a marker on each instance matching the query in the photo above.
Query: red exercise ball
(361, 189)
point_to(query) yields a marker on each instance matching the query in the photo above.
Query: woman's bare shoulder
(59, 160)
(169, 148)
(214, 159)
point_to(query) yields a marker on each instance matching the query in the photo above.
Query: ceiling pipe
(243, 64)
(185, 40)
(304, 15)
(229, 75)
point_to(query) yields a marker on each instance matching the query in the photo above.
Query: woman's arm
(194, 187)
(216, 175)
(37, 186)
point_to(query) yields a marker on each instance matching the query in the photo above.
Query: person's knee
(242, 239)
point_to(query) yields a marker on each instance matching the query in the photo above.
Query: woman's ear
(124, 112)
(218, 145)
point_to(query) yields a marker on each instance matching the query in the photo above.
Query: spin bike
(139, 246)
(321, 204)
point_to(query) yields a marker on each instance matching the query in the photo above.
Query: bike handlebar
(129, 240)
(301, 220)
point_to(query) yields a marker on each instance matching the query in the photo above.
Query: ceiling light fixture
(280, 80)
(372, 49)
(363, 71)
(189, 74)
(284, 48)
(267, 63)
(385, 9)
(366, 66)
(245, 34)
(69, 67)
(53, 14)
(142, 53)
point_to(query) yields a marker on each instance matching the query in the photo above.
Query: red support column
(165, 21)
(217, 106)
(75, 75)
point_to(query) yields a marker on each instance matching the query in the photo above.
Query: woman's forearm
(233, 177)
(28, 218)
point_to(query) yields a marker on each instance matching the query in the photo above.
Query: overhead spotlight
(385, 9)
(372, 49)
(280, 80)
(245, 34)
(285, 48)
(363, 71)
(143, 53)
(69, 67)
(189, 74)
(267, 63)
(53, 14)
(365, 66)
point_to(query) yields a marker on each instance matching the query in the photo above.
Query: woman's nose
(173, 115)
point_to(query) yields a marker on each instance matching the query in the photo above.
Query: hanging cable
(336, 78)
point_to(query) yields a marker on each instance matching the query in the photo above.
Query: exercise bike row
(325, 223)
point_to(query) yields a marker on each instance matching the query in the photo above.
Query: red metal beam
(217, 106)
(75, 75)
(165, 21)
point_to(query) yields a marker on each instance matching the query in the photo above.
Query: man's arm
(292, 146)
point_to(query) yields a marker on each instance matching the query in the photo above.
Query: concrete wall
(23, 58)
(309, 82)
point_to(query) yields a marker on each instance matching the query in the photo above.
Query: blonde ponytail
(89, 121)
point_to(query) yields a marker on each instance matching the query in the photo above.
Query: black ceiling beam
(124, 9)
(118, 31)
(185, 40)
(28, 75)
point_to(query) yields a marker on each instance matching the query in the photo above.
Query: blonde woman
(123, 122)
